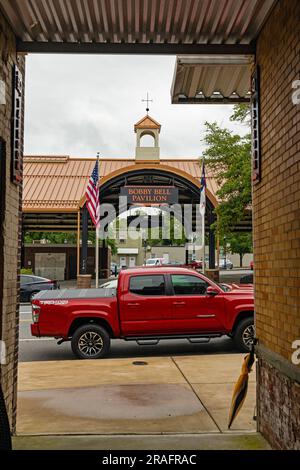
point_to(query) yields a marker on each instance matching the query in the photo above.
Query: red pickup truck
(148, 305)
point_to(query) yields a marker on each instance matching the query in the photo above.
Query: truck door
(144, 305)
(192, 310)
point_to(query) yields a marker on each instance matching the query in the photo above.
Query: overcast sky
(83, 104)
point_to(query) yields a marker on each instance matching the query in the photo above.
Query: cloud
(82, 104)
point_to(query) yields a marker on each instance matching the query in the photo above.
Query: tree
(66, 237)
(113, 246)
(241, 113)
(240, 243)
(228, 156)
(51, 237)
(174, 228)
(109, 241)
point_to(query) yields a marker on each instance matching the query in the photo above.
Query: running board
(154, 340)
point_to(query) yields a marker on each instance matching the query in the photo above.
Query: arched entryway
(153, 175)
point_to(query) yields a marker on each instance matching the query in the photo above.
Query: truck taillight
(35, 313)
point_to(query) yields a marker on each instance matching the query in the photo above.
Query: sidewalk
(238, 441)
(123, 405)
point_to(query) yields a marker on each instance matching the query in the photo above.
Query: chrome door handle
(133, 304)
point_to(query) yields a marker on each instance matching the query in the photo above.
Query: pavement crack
(198, 398)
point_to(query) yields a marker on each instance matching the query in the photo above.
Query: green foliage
(241, 113)
(228, 156)
(51, 237)
(26, 271)
(240, 243)
(65, 237)
(174, 228)
(113, 246)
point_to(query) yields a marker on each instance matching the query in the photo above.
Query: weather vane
(147, 101)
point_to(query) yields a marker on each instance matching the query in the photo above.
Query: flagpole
(203, 241)
(97, 260)
(97, 243)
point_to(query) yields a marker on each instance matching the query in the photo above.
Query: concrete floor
(167, 395)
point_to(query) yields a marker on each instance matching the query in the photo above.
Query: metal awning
(131, 26)
(212, 79)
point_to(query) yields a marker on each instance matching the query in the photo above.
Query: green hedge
(26, 271)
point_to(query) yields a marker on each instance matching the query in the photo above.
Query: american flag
(92, 196)
(202, 192)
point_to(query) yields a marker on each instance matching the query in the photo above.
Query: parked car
(155, 262)
(225, 264)
(247, 279)
(113, 284)
(194, 264)
(174, 263)
(251, 265)
(149, 304)
(31, 285)
(114, 269)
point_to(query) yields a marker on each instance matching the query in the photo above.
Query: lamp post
(145, 250)
(145, 245)
(225, 265)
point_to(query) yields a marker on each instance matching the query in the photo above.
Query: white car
(110, 284)
(155, 262)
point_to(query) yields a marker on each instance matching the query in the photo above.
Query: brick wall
(9, 227)
(279, 410)
(277, 197)
(276, 207)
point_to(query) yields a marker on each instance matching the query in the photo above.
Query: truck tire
(244, 334)
(90, 342)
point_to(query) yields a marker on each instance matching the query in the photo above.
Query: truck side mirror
(211, 291)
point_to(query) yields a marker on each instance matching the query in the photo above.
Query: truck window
(147, 285)
(188, 285)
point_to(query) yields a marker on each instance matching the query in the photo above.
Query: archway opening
(147, 139)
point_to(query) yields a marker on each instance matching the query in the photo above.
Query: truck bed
(61, 294)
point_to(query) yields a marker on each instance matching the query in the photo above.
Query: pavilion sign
(150, 194)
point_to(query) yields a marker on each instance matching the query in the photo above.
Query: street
(46, 349)
(179, 387)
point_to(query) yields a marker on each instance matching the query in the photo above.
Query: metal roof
(212, 79)
(53, 187)
(56, 23)
(57, 183)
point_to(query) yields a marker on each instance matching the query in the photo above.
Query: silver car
(225, 264)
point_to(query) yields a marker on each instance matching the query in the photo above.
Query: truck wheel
(90, 342)
(244, 335)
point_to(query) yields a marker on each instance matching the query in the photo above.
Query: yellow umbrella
(241, 387)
